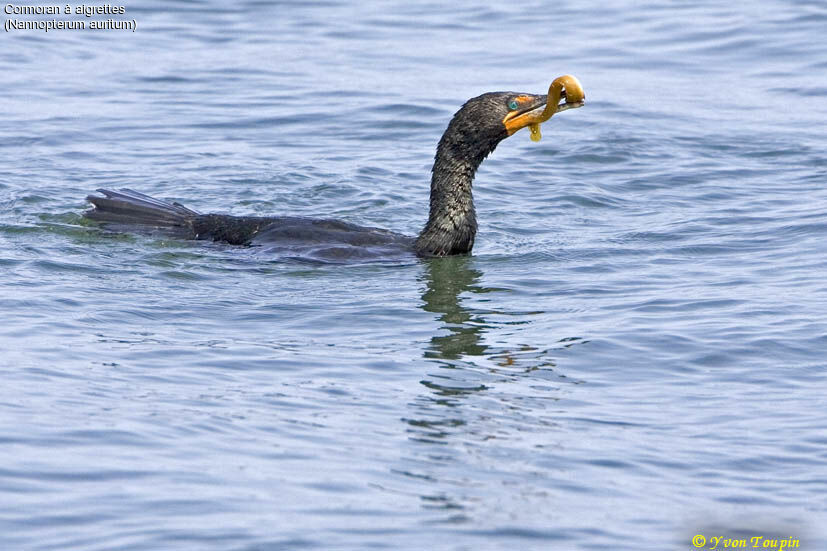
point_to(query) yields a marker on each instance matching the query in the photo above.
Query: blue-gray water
(633, 355)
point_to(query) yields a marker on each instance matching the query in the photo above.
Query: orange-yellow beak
(534, 110)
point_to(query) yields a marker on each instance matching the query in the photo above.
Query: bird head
(486, 120)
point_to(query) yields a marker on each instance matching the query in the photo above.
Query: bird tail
(127, 207)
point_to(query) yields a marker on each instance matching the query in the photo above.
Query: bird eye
(513, 104)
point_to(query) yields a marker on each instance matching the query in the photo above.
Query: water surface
(633, 355)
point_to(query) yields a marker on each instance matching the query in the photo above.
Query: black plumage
(473, 133)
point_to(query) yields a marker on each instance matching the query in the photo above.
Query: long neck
(452, 222)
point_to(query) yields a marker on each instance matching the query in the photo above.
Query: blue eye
(513, 104)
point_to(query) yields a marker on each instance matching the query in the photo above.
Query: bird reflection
(469, 365)
(478, 391)
(447, 279)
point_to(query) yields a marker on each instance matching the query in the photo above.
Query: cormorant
(473, 133)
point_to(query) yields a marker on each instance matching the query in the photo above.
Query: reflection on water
(447, 278)
(463, 345)
(477, 377)
(467, 365)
